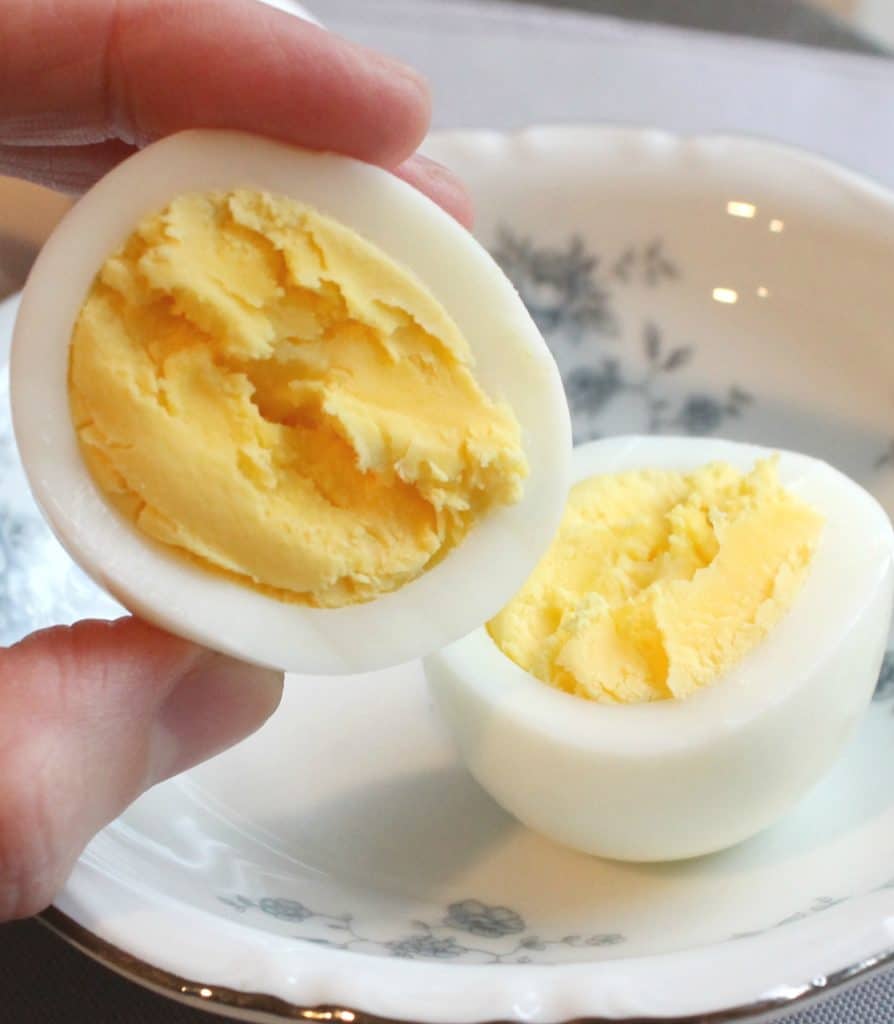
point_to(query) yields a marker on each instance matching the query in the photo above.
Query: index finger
(84, 71)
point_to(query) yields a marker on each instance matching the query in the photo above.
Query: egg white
(676, 778)
(512, 361)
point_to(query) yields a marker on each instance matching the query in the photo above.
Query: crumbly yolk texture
(261, 388)
(659, 582)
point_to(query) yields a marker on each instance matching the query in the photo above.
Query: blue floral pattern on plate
(571, 294)
(469, 930)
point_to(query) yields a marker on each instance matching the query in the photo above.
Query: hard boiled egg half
(109, 519)
(676, 778)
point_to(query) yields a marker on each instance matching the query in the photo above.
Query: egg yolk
(264, 390)
(658, 582)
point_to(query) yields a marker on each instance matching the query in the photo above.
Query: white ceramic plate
(342, 857)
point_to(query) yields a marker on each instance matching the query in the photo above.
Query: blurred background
(875, 17)
(845, 24)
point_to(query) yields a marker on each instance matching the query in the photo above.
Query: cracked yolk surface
(261, 388)
(658, 582)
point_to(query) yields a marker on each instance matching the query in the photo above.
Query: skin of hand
(93, 714)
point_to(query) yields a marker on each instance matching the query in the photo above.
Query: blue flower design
(651, 265)
(285, 910)
(480, 919)
(589, 388)
(702, 414)
(558, 285)
(469, 916)
(571, 294)
(418, 947)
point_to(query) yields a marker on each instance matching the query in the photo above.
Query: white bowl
(343, 856)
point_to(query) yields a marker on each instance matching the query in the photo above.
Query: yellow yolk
(258, 386)
(658, 582)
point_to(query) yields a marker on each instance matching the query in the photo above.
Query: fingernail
(393, 68)
(218, 702)
(441, 184)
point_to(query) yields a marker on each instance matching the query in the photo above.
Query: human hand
(93, 714)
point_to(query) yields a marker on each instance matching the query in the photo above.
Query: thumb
(92, 715)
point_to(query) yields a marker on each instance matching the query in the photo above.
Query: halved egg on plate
(616, 741)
